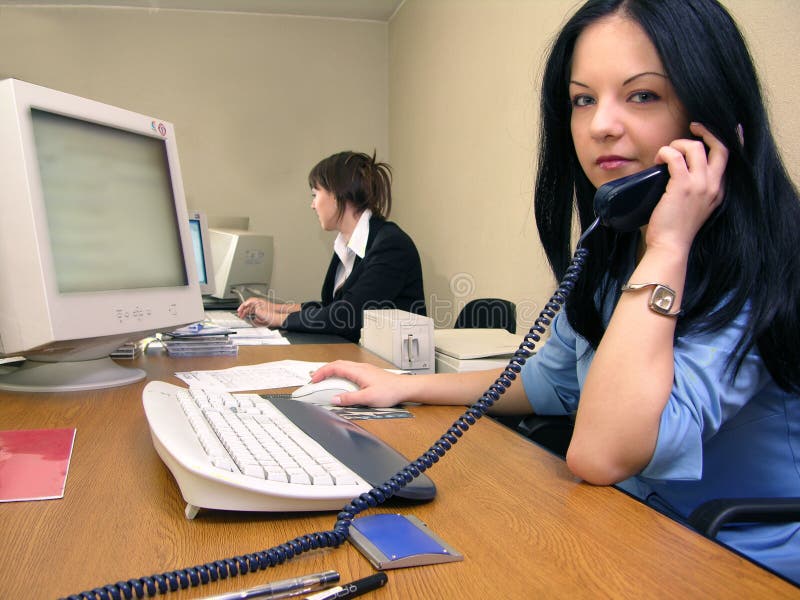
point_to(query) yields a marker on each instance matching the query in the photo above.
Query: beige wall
(446, 92)
(257, 101)
(463, 116)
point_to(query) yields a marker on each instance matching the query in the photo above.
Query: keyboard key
(227, 319)
(252, 437)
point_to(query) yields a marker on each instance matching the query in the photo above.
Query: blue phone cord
(257, 561)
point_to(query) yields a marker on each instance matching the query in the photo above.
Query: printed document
(264, 376)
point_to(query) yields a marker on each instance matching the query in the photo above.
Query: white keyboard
(227, 319)
(243, 452)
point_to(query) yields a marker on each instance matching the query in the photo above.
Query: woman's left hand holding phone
(694, 191)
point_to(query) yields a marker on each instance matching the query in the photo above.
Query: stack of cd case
(199, 340)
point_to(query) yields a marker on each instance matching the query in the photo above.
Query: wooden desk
(526, 527)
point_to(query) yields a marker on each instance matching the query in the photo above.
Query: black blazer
(389, 276)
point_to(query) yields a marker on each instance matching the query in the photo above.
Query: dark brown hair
(357, 178)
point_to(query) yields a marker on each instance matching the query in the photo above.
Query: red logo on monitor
(160, 128)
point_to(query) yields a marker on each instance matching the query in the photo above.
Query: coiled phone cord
(240, 565)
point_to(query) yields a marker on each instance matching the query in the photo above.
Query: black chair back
(488, 313)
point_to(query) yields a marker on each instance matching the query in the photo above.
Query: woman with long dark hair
(677, 350)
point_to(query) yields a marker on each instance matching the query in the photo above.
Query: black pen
(352, 589)
(285, 588)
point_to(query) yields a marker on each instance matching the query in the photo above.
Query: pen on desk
(285, 588)
(352, 589)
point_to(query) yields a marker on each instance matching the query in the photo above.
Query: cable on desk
(240, 565)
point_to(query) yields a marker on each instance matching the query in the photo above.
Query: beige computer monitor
(242, 262)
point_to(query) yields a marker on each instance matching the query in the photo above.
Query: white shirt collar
(357, 246)
(358, 239)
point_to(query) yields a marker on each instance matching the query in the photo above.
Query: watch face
(662, 299)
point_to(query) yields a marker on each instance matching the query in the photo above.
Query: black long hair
(746, 250)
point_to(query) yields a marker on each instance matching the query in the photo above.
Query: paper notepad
(34, 463)
(475, 343)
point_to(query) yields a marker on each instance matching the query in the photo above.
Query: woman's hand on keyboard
(261, 312)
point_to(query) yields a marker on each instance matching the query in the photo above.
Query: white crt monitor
(94, 238)
(242, 263)
(201, 243)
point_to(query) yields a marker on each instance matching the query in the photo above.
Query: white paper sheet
(264, 376)
(259, 336)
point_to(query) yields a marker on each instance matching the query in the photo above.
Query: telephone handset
(624, 204)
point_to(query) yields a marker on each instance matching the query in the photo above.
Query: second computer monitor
(242, 263)
(201, 243)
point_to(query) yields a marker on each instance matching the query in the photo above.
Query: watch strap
(662, 299)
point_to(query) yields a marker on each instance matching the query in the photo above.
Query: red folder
(34, 463)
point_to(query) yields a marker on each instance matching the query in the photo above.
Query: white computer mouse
(322, 391)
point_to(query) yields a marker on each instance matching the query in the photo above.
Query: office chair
(711, 516)
(488, 313)
(553, 433)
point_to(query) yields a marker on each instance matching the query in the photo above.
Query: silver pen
(285, 588)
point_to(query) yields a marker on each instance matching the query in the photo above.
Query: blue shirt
(717, 438)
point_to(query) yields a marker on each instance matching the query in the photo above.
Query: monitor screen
(198, 227)
(108, 199)
(94, 242)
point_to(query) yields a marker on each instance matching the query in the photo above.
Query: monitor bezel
(59, 324)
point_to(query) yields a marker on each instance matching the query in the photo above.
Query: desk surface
(526, 526)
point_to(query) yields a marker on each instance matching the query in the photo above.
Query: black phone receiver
(625, 204)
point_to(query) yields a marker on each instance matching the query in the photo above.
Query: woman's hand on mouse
(379, 388)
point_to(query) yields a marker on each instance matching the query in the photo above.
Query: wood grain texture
(526, 526)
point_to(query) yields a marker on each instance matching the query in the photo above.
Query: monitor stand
(67, 376)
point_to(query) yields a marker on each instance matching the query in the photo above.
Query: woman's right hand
(250, 306)
(379, 388)
(261, 311)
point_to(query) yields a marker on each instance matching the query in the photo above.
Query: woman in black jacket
(375, 263)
